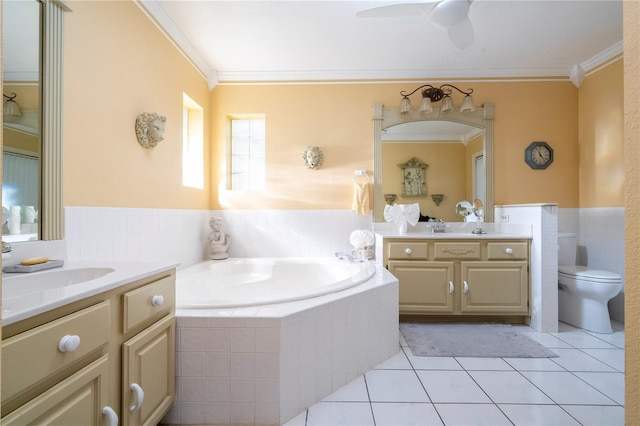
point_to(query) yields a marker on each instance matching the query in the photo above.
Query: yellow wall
(117, 66)
(632, 201)
(337, 117)
(601, 97)
(446, 174)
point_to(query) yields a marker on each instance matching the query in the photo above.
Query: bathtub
(233, 283)
(252, 355)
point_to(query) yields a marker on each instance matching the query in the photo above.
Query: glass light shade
(425, 106)
(447, 104)
(405, 105)
(467, 104)
(11, 107)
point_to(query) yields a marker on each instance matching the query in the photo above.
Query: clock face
(538, 155)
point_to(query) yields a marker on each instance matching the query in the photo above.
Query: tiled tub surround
(266, 364)
(180, 236)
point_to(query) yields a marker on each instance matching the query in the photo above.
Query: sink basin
(18, 285)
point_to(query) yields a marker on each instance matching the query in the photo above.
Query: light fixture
(11, 107)
(434, 94)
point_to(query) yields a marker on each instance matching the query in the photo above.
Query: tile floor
(583, 386)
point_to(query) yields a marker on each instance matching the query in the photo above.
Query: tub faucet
(344, 256)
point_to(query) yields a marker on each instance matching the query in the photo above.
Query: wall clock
(538, 155)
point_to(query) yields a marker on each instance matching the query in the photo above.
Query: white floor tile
(566, 388)
(355, 391)
(580, 339)
(596, 416)
(451, 387)
(397, 362)
(533, 364)
(536, 415)
(610, 384)
(509, 387)
(395, 386)
(404, 414)
(616, 338)
(472, 414)
(577, 360)
(547, 340)
(580, 386)
(483, 364)
(612, 357)
(432, 362)
(340, 413)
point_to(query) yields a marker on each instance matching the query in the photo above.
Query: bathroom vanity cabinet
(106, 359)
(460, 277)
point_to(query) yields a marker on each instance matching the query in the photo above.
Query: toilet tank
(567, 246)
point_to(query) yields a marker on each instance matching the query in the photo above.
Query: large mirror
(21, 120)
(32, 63)
(457, 149)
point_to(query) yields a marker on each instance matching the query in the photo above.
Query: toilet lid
(584, 273)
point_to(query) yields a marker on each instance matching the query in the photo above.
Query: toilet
(583, 292)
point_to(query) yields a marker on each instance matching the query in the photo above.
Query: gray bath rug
(471, 340)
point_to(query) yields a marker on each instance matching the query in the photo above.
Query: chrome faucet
(438, 226)
(6, 247)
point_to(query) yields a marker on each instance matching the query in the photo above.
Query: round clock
(538, 155)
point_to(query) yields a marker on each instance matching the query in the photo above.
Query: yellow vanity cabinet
(69, 365)
(457, 278)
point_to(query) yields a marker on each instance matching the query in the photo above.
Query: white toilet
(583, 293)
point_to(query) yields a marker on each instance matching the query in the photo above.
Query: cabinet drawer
(457, 250)
(407, 250)
(505, 251)
(34, 355)
(77, 400)
(148, 302)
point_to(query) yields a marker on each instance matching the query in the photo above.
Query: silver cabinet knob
(408, 251)
(509, 251)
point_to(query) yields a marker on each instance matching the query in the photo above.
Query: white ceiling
(234, 41)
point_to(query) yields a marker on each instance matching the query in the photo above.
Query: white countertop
(32, 303)
(453, 235)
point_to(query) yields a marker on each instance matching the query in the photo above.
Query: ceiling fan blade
(398, 10)
(461, 34)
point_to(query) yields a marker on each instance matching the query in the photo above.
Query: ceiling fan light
(467, 104)
(447, 104)
(449, 12)
(405, 105)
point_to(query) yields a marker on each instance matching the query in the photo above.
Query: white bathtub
(234, 283)
(265, 364)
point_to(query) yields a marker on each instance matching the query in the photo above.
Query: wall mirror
(458, 147)
(32, 55)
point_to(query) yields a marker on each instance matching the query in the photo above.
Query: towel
(360, 198)
(404, 214)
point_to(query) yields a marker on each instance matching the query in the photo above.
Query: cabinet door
(425, 287)
(494, 287)
(148, 367)
(77, 400)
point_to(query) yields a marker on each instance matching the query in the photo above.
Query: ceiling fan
(451, 14)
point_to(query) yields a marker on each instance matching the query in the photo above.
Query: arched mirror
(33, 34)
(454, 149)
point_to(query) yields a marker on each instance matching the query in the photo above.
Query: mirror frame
(385, 117)
(52, 64)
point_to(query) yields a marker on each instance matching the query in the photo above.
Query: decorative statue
(150, 129)
(312, 157)
(218, 240)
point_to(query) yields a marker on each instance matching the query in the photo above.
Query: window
(247, 153)
(192, 143)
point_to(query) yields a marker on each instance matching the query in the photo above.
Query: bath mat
(471, 340)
